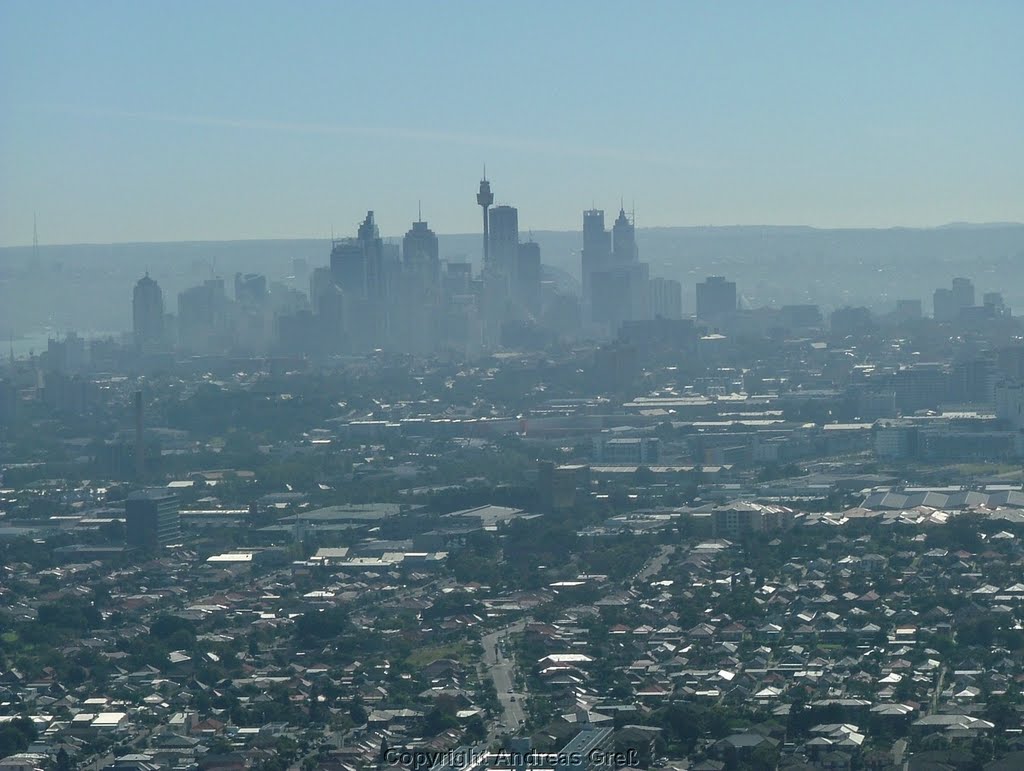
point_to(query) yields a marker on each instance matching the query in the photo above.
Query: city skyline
(141, 124)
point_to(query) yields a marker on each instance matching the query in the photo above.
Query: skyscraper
(715, 297)
(596, 255)
(202, 317)
(373, 246)
(148, 314)
(666, 298)
(615, 282)
(624, 239)
(358, 268)
(963, 293)
(596, 240)
(504, 239)
(420, 253)
(417, 316)
(528, 274)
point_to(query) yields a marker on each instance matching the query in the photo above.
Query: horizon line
(135, 242)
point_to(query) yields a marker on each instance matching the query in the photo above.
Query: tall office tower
(528, 275)
(373, 246)
(624, 239)
(457, 278)
(484, 199)
(148, 314)
(993, 301)
(251, 312)
(499, 271)
(151, 519)
(597, 241)
(597, 248)
(321, 281)
(416, 315)
(963, 293)
(504, 235)
(202, 317)
(250, 289)
(65, 356)
(348, 266)
(666, 299)
(358, 268)
(715, 297)
(420, 253)
(944, 307)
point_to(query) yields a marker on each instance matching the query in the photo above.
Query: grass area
(986, 469)
(460, 652)
(9, 637)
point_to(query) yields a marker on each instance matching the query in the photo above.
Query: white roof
(231, 557)
(109, 718)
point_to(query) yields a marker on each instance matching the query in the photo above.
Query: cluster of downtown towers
(377, 295)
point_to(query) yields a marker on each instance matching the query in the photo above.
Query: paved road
(934, 704)
(655, 564)
(502, 673)
(899, 751)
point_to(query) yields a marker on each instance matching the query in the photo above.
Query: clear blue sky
(187, 120)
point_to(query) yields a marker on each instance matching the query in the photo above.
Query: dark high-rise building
(596, 240)
(949, 304)
(348, 266)
(943, 305)
(597, 249)
(666, 300)
(715, 297)
(151, 519)
(250, 317)
(963, 293)
(908, 310)
(416, 315)
(202, 312)
(148, 314)
(250, 289)
(504, 238)
(850, 321)
(357, 263)
(624, 239)
(615, 283)
(528, 275)
(360, 270)
(420, 253)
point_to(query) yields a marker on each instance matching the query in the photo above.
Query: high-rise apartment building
(148, 314)
(151, 519)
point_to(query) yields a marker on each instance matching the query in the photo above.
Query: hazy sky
(189, 120)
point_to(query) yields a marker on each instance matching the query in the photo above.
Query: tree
(357, 712)
(63, 761)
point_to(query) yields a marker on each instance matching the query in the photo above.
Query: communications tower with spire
(485, 198)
